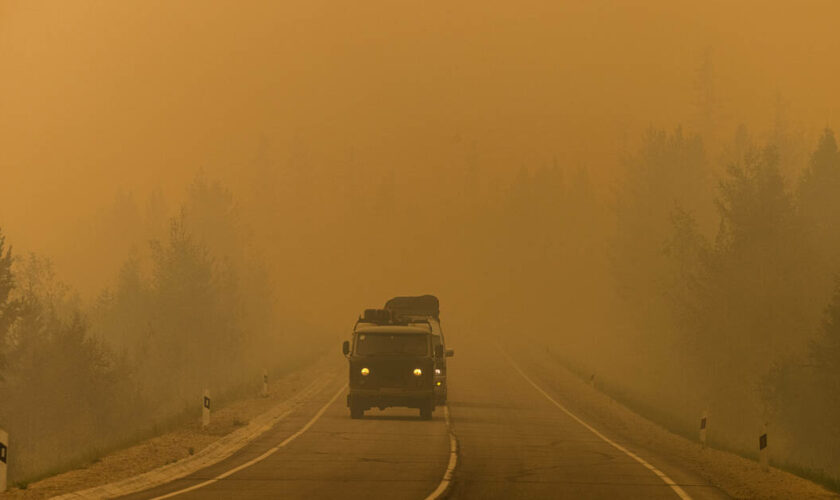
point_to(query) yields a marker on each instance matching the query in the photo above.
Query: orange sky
(101, 96)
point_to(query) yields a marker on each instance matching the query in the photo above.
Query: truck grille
(394, 376)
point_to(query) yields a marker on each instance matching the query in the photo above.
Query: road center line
(262, 457)
(446, 482)
(667, 480)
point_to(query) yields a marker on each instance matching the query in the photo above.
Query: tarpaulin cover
(423, 305)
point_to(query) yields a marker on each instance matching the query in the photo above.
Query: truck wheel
(356, 411)
(426, 410)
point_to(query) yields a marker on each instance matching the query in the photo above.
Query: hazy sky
(135, 95)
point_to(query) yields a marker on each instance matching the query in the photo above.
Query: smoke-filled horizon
(647, 192)
(122, 99)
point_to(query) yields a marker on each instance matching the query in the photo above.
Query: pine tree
(819, 199)
(9, 308)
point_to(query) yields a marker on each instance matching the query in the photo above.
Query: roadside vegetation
(191, 310)
(700, 276)
(706, 280)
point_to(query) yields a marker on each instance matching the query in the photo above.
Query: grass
(677, 426)
(820, 477)
(189, 414)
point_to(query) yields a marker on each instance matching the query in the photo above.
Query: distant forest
(193, 311)
(704, 280)
(699, 283)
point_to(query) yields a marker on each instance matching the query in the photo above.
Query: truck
(419, 310)
(391, 364)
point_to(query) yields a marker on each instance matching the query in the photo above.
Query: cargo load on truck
(419, 306)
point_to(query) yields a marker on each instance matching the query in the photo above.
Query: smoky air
(309, 249)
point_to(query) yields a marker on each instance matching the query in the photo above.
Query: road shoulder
(736, 476)
(189, 447)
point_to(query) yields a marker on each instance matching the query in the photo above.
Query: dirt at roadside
(175, 445)
(736, 476)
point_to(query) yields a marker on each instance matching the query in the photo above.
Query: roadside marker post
(205, 409)
(762, 449)
(703, 423)
(4, 458)
(265, 383)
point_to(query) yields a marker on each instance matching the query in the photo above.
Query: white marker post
(265, 384)
(4, 458)
(762, 449)
(703, 423)
(205, 409)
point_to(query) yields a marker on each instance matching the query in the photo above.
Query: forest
(193, 310)
(698, 282)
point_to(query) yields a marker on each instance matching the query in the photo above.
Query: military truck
(392, 364)
(425, 309)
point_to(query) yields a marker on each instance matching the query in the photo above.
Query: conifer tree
(819, 199)
(9, 308)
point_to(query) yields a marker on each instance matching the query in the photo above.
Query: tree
(819, 199)
(54, 362)
(9, 307)
(668, 172)
(754, 204)
(707, 100)
(810, 382)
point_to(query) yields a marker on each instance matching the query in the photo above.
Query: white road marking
(453, 461)
(262, 457)
(667, 480)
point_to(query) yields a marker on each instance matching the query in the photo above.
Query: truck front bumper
(389, 397)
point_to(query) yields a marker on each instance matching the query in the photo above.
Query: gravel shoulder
(737, 476)
(178, 444)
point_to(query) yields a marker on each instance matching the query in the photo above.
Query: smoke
(644, 189)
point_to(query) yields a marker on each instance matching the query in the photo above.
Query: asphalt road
(515, 441)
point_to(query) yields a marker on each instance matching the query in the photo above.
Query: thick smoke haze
(616, 182)
(122, 96)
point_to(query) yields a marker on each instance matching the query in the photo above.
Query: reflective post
(762, 449)
(205, 409)
(4, 458)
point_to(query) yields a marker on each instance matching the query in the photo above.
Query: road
(517, 439)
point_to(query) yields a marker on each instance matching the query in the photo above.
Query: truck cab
(391, 365)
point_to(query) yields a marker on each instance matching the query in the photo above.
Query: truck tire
(356, 411)
(426, 409)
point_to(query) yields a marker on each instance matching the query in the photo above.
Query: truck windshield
(368, 344)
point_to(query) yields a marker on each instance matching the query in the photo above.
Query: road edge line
(262, 457)
(214, 453)
(661, 475)
(448, 477)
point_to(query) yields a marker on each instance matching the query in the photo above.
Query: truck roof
(393, 329)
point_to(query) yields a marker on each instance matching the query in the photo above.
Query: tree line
(192, 310)
(697, 283)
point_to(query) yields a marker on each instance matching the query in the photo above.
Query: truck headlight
(418, 372)
(365, 372)
(437, 371)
